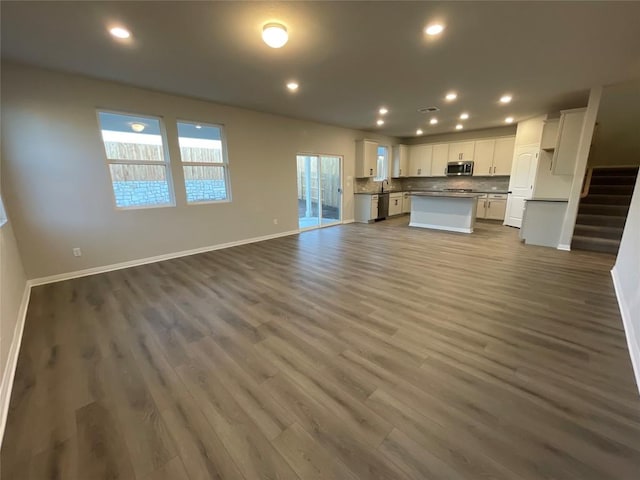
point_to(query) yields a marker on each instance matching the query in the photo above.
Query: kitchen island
(451, 211)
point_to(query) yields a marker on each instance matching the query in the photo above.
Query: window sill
(208, 202)
(144, 207)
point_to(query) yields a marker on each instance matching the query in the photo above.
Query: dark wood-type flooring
(353, 352)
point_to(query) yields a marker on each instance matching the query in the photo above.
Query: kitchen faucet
(382, 185)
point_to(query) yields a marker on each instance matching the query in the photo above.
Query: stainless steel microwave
(459, 168)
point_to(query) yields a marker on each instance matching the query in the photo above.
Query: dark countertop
(447, 194)
(497, 192)
(565, 200)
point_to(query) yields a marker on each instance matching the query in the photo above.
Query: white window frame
(386, 163)
(224, 164)
(166, 163)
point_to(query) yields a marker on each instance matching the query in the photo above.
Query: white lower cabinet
(406, 202)
(366, 208)
(492, 206)
(395, 204)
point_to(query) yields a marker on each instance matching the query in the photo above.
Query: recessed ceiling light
(418, 132)
(464, 116)
(433, 121)
(293, 86)
(275, 35)
(380, 122)
(505, 99)
(508, 120)
(451, 96)
(459, 126)
(120, 32)
(383, 111)
(198, 127)
(138, 127)
(434, 29)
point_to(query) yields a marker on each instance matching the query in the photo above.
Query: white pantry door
(523, 175)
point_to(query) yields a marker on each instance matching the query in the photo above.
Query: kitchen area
(443, 185)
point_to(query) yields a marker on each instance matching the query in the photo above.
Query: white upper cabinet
(461, 151)
(493, 156)
(439, 160)
(566, 151)
(366, 158)
(503, 155)
(400, 161)
(420, 160)
(550, 134)
(483, 157)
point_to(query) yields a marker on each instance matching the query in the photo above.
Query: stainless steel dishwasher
(383, 206)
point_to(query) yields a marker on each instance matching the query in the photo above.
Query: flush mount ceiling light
(459, 126)
(380, 122)
(120, 32)
(434, 29)
(505, 98)
(508, 120)
(275, 35)
(451, 96)
(464, 116)
(383, 111)
(433, 121)
(418, 132)
(292, 86)
(137, 127)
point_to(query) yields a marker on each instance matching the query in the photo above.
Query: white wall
(13, 290)
(626, 278)
(57, 186)
(616, 141)
(547, 184)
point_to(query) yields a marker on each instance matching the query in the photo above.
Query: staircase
(603, 211)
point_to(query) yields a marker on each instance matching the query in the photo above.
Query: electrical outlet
(77, 252)
(275, 221)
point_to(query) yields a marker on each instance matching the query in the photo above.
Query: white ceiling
(349, 57)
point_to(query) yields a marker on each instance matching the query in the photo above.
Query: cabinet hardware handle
(419, 171)
(400, 171)
(489, 203)
(494, 169)
(489, 168)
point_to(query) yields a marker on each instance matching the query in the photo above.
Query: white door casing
(523, 174)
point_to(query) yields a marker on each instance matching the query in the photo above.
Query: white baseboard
(12, 360)
(634, 346)
(565, 247)
(440, 227)
(158, 258)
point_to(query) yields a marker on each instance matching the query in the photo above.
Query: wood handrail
(587, 183)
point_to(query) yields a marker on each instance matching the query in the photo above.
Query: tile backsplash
(440, 183)
(368, 185)
(434, 183)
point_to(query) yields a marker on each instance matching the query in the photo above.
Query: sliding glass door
(319, 190)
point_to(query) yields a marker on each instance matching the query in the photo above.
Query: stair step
(609, 210)
(598, 231)
(604, 245)
(613, 180)
(607, 199)
(604, 220)
(611, 190)
(615, 172)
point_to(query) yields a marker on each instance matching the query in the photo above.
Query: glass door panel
(308, 191)
(319, 190)
(331, 190)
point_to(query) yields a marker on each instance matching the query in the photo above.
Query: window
(3, 214)
(383, 164)
(138, 163)
(204, 160)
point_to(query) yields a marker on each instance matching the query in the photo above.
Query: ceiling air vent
(428, 109)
